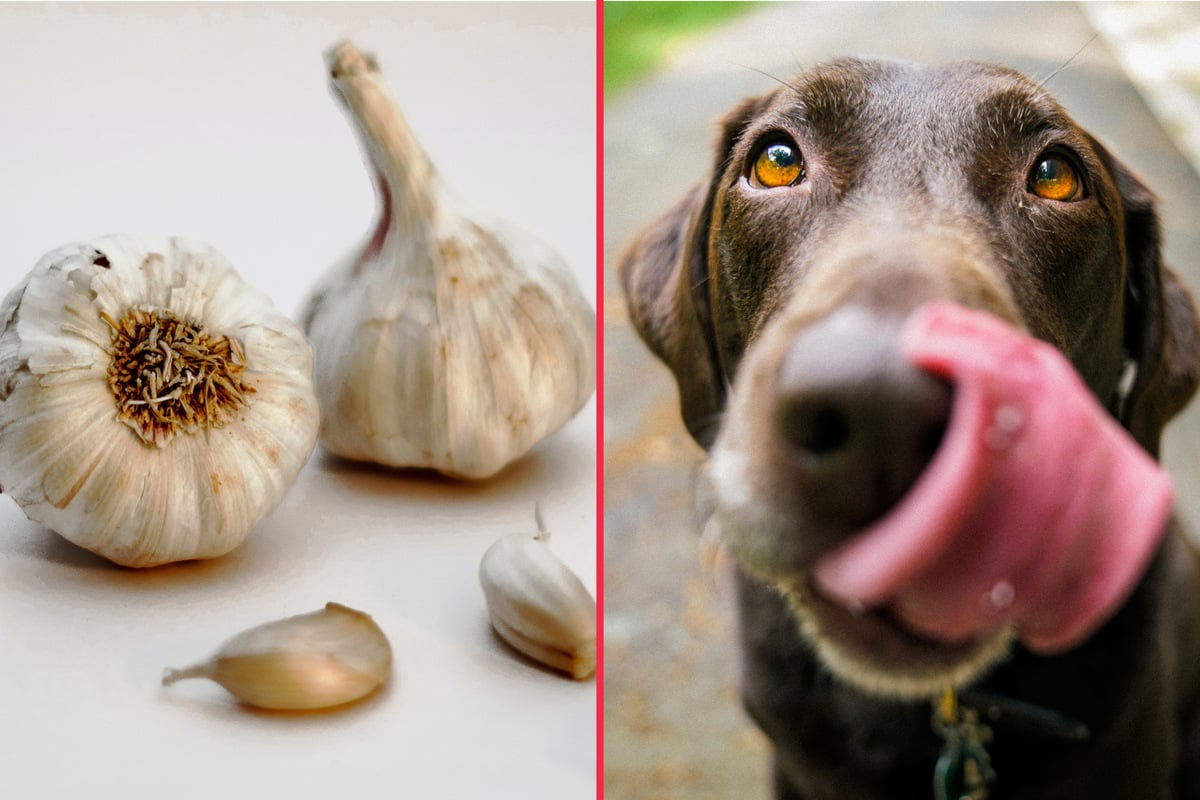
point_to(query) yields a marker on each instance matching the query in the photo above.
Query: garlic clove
(448, 340)
(310, 661)
(538, 605)
(153, 406)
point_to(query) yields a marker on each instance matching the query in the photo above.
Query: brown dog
(838, 204)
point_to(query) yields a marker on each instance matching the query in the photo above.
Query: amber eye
(778, 164)
(1053, 178)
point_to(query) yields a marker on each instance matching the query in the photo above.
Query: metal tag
(964, 768)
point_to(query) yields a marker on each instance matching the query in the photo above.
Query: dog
(837, 205)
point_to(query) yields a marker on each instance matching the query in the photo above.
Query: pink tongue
(1038, 511)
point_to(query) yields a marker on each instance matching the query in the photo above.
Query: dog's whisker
(766, 74)
(1042, 83)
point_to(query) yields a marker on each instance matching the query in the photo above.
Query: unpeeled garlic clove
(326, 658)
(448, 339)
(538, 605)
(153, 405)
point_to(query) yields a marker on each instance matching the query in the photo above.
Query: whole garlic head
(153, 406)
(448, 340)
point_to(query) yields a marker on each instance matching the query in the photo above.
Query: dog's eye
(778, 164)
(1053, 178)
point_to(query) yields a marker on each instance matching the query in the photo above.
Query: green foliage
(638, 34)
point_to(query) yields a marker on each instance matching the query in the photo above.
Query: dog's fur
(916, 188)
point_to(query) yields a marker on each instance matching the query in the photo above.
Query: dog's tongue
(1039, 511)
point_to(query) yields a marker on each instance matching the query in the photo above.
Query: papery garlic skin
(319, 660)
(72, 452)
(449, 340)
(538, 605)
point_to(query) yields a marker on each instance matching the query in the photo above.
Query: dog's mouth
(879, 653)
(1035, 519)
(1038, 511)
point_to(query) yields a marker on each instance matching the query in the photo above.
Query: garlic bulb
(538, 605)
(447, 340)
(327, 658)
(153, 406)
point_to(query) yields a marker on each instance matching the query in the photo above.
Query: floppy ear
(666, 278)
(1161, 333)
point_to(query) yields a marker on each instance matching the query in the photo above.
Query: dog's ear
(1161, 329)
(666, 278)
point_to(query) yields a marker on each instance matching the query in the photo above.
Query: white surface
(215, 121)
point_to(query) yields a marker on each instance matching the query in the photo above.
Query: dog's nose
(858, 421)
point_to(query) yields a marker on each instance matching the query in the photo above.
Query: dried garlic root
(538, 605)
(319, 660)
(153, 406)
(447, 340)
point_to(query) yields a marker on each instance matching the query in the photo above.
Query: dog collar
(964, 768)
(1031, 719)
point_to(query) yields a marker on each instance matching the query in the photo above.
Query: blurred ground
(673, 724)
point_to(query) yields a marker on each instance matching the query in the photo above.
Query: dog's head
(837, 205)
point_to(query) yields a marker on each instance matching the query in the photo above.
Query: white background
(215, 121)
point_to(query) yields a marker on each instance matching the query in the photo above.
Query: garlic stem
(195, 671)
(543, 534)
(403, 172)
